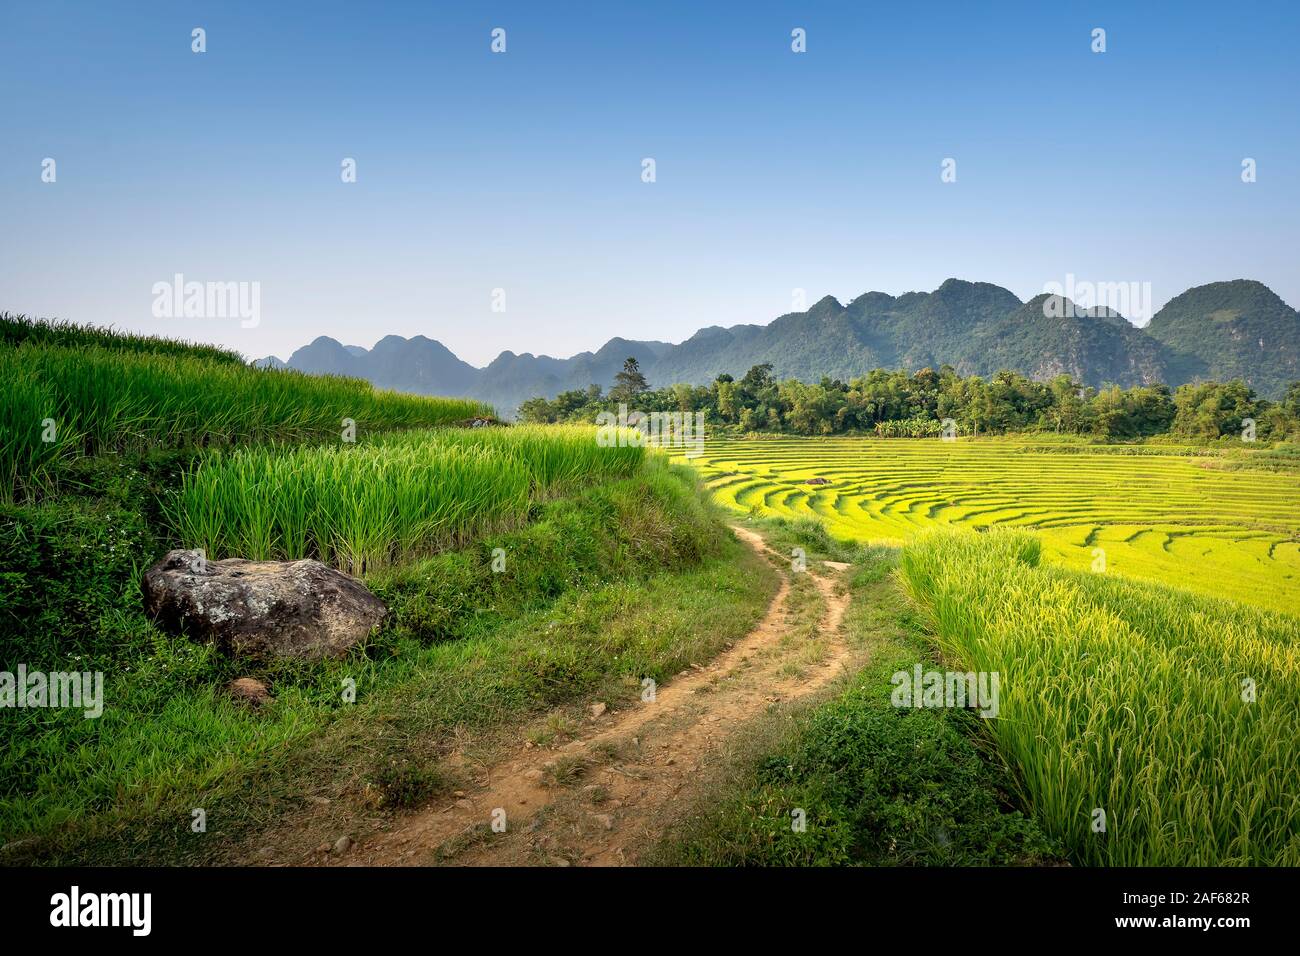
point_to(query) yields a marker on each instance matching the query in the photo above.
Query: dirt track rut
(606, 795)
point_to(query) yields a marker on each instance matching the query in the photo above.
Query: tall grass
(360, 507)
(99, 399)
(1127, 698)
(554, 455)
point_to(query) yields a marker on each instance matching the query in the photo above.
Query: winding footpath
(604, 797)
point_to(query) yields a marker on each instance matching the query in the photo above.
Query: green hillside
(1226, 330)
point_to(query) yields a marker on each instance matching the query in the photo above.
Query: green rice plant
(20, 329)
(556, 456)
(26, 456)
(104, 400)
(1177, 716)
(364, 506)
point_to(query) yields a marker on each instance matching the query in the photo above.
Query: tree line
(895, 404)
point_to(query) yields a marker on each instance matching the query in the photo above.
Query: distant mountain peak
(1054, 305)
(872, 299)
(827, 303)
(1241, 292)
(1239, 328)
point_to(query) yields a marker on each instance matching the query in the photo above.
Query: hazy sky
(523, 171)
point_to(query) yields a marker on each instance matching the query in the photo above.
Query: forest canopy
(896, 404)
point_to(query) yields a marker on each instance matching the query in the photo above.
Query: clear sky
(523, 170)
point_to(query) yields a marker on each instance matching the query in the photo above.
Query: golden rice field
(1151, 513)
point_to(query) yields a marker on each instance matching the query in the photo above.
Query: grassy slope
(879, 785)
(619, 581)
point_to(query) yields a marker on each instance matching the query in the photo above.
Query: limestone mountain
(1049, 336)
(417, 364)
(1237, 329)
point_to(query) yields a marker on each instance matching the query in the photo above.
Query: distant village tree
(629, 383)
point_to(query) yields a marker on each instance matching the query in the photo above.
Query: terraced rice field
(1163, 515)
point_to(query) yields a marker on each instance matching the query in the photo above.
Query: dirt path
(603, 797)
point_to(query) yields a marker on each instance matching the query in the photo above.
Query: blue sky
(522, 170)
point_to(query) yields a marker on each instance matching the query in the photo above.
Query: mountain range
(1236, 329)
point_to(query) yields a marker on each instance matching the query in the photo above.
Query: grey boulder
(261, 609)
